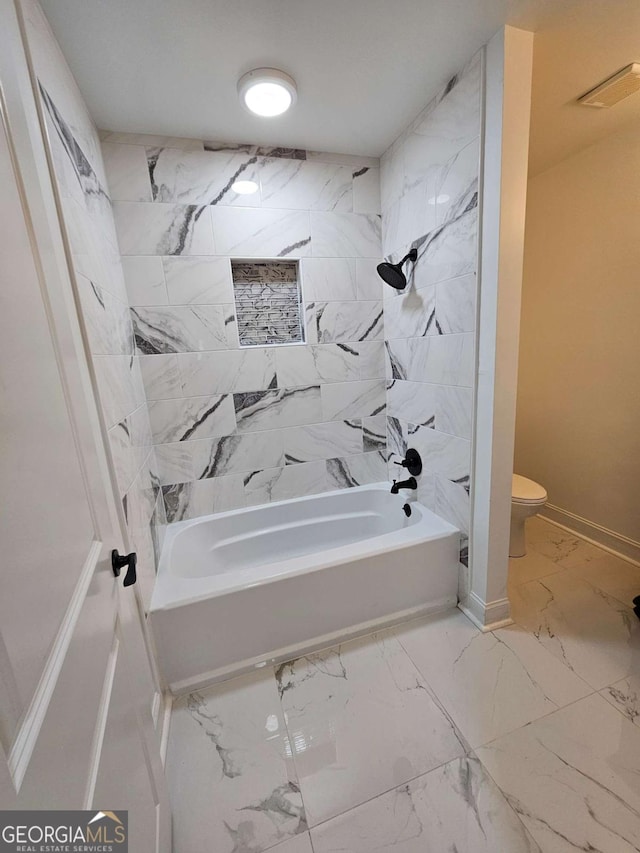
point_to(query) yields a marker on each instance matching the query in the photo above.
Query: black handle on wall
(118, 562)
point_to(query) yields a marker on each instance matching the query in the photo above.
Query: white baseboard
(615, 543)
(487, 616)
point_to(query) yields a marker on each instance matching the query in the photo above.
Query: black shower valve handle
(412, 462)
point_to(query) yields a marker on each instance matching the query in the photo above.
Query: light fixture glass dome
(267, 91)
(244, 187)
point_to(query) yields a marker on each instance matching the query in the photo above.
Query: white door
(76, 688)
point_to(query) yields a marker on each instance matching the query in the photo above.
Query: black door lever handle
(118, 562)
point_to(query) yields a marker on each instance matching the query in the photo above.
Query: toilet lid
(524, 490)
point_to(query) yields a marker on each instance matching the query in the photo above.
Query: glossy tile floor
(434, 737)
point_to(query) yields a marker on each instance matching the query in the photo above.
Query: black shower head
(392, 274)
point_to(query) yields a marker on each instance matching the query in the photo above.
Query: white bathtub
(241, 588)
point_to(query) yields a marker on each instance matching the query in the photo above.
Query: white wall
(503, 189)
(578, 422)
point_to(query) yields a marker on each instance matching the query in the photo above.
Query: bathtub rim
(167, 581)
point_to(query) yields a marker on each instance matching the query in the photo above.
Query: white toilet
(527, 497)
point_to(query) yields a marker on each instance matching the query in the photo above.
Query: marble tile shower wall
(236, 426)
(88, 221)
(429, 188)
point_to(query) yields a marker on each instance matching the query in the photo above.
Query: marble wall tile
(454, 410)
(369, 285)
(264, 410)
(357, 470)
(443, 454)
(203, 497)
(455, 304)
(441, 359)
(345, 235)
(279, 484)
(179, 329)
(415, 402)
(122, 456)
(237, 454)
(458, 180)
(243, 232)
(190, 418)
(346, 400)
(339, 700)
(127, 172)
(450, 250)
(573, 791)
(106, 318)
(175, 462)
(411, 315)
(453, 121)
(371, 359)
(227, 371)
(316, 364)
(305, 185)
(202, 281)
(88, 220)
(366, 190)
(161, 376)
(347, 321)
(374, 433)
(119, 386)
(328, 279)
(144, 278)
(219, 737)
(201, 177)
(163, 229)
(323, 441)
(179, 284)
(456, 807)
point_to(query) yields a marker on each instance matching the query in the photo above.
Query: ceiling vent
(614, 88)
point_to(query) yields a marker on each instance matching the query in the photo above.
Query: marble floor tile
(297, 844)
(573, 779)
(455, 808)
(360, 722)
(532, 566)
(625, 696)
(490, 683)
(233, 782)
(612, 575)
(594, 634)
(567, 552)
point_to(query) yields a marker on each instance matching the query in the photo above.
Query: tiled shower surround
(429, 187)
(89, 227)
(240, 426)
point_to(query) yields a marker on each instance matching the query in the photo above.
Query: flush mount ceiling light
(267, 91)
(244, 187)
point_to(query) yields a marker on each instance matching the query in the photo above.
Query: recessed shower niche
(268, 302)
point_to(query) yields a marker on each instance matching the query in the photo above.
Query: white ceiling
(364, 68)
(573, 53)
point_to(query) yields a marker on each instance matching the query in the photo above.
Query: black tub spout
(411, 483)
